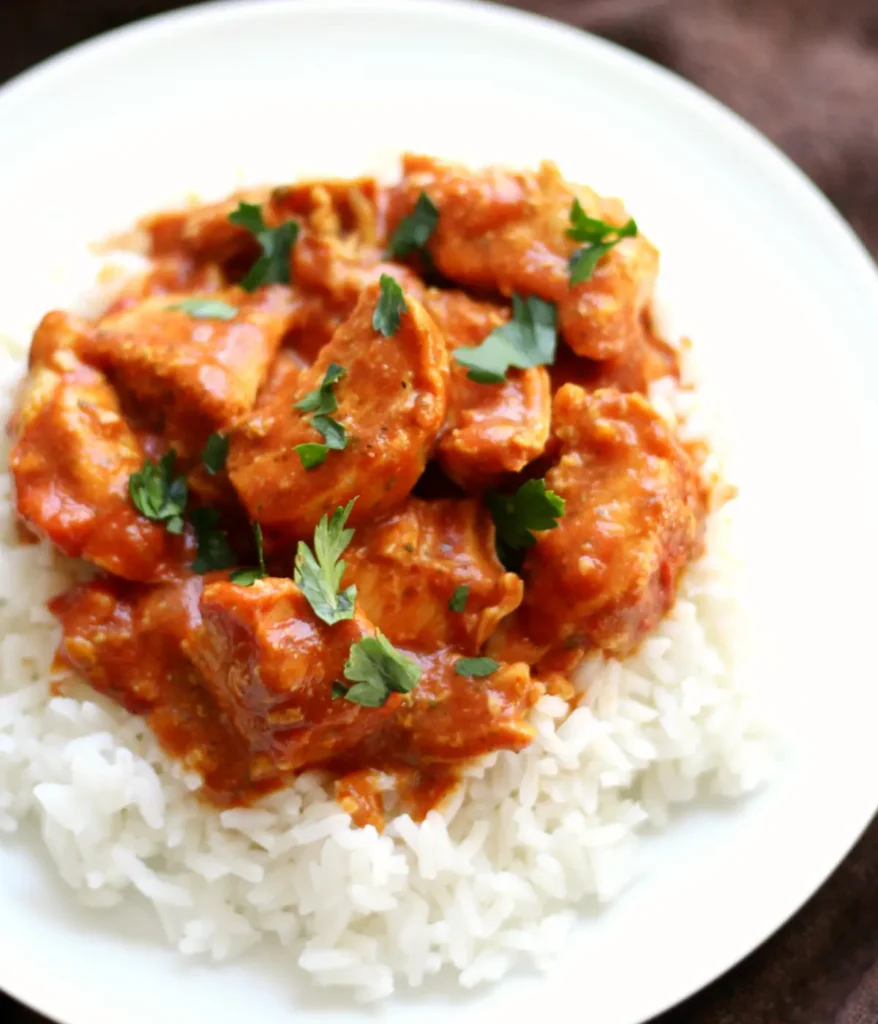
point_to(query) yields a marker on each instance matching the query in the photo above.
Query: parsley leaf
(377, 669)
(413, 231)
(312, 454)
(206, 309)
(159, 495)
(390, 307)
(247, 577)
(529, 339)
(476, 668)
(599, 236)
(517, 515)
(334, 434)
(215, 452)
(214, 550)
(318, 574)
(459, 598)
(273, 266)
(322, 400)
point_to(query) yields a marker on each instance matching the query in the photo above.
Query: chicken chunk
(335, 206)
(331, 274)
(451, 716)
(634, 517)
(129, 641)
(169, 275)
(491, 429)
(204, 231)
(408, 567)
(643, 362)
(71, 462)
(270, 663)
(507, 231)
(391, 402)
(198, 374)
(125, 638)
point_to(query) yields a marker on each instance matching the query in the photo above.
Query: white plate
(782, 302)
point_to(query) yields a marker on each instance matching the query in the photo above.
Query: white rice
(499, 876)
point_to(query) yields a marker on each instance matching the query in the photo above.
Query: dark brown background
(806, 73)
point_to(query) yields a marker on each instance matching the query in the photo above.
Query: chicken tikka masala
(364, 470)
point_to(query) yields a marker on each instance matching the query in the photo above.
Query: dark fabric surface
(806, 73)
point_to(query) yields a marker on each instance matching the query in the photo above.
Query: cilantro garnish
(273, 266)
(321, 401)
(214, 550)
(529, 339)
(216, 450)
(159, 495)
(206, 309)
(377, 669)
(476, 668)
(247, 577)
(311, 454)
(459, 598)
(389, 308)
(517, 516)
(599, 236)
(413, 231)
(318, 574)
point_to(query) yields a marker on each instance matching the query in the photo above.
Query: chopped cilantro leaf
(273, 266)
(334, 434)
(206, 309)
(159, 495)
(312, 454)
(377, 669)
(215, 453)
(389, 308)
(459, 598)
(318, 573)
(517, 516)
(247, 577)
(321, 401)
(476, 668)
(599, 237)
(413, 231)
(338, 690)
(214, 550)
(529, 339)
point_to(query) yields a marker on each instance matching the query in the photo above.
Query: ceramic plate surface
(782, 302)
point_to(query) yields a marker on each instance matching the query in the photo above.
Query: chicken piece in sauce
(169, 275)
(271, 663)
(128, 641)
(634, 517)
(204, 232)
(491, 429)
(506, 231)
(191, 375)
(647, 360)
(408, 567)
(72, 459)
(391, 402)
(453, 717)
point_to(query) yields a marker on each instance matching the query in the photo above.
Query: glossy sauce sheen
(245, 684)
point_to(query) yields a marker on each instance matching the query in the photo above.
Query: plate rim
(771, 161)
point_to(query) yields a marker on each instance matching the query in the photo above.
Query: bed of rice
(529, 842)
